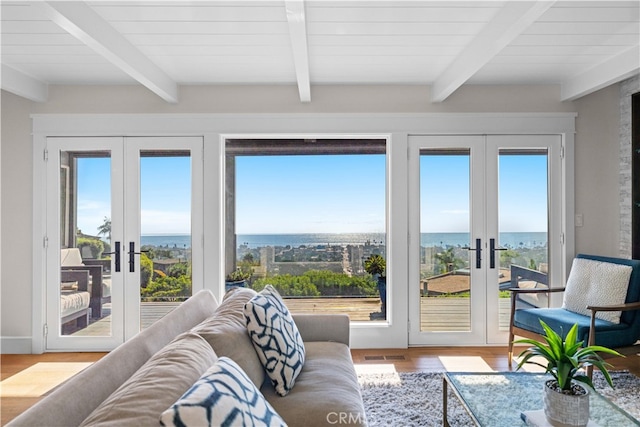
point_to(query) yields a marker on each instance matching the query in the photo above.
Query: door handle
(478, 250)
(492, 252)
(116, 253)
(132, 256)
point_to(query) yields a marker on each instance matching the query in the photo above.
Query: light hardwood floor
(417, 359)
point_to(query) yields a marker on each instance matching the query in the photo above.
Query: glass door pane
(85, 243)
(523, 225)
(445, 260)
(165, 232)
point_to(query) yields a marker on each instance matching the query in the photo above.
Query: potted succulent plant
(565, 401)
(238, 278)
(376, 266)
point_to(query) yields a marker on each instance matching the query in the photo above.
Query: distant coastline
(511, 240)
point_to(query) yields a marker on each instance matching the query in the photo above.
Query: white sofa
(140, 379)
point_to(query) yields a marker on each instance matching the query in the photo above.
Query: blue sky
(444, 193)
(165, 194)
(319, 194)
(310, 194)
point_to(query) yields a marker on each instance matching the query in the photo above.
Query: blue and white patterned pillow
(223, 396)
(276, 338)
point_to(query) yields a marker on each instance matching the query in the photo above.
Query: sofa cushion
(596, 283)
(223, 396)
(156, 385)
(326, 392)
(276, 338)
(226, 332)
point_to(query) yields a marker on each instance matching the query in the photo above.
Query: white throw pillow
(275, 338)
(596, 283)
(223, 396)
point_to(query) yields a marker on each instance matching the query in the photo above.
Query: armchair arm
(618, 307)
(80, 276)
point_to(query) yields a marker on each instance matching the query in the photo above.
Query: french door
(124, 235)
(478, 205)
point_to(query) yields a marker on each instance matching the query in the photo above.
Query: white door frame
(474, 144)
(132, 226)
(125, 224)
(53, 340)
(484, 151)
(553, 145)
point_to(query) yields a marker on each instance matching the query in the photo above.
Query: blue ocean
(510, 240)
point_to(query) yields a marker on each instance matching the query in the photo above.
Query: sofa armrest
(323, 327)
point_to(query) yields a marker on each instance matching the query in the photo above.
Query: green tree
(146, 270)
(506, 257)
(319, 283)
(167, 289)
(448, 260)
(105, 228)
(179, 269)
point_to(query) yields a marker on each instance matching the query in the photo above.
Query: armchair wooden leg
(511, 334)
(592, 340)
(510, 355)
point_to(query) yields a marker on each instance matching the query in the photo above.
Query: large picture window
(308, 217)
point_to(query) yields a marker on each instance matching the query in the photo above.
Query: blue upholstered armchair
(602, 296)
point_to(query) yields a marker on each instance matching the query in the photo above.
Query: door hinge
(562, 238)
(45, 330)
(46, 155)
(45, 242)
(562, 151)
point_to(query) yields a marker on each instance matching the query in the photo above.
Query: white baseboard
(15, 345)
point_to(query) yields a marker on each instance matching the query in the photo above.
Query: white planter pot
(566, 409)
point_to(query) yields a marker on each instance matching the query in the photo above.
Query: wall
(627, 88)
(16, 192)
(597, 158)
(596, 138)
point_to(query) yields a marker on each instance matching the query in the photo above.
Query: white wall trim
(15, 345)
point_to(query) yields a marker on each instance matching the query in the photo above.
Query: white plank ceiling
(580, 45)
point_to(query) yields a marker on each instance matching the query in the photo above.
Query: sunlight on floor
(529, 367)
(369, 368)
(464, 364)
(40, 378)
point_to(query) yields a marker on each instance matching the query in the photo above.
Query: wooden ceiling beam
(82, 22)
(23, 85)
(298, 35)
(509, 23)
(614, 70)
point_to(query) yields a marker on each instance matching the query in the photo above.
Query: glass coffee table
(497, 399)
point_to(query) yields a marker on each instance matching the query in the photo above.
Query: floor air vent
(374, 358)
(398, 357)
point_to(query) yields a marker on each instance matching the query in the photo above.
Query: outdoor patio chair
(602, 296)
(71, 260)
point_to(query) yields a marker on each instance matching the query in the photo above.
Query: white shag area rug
(415, 399)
